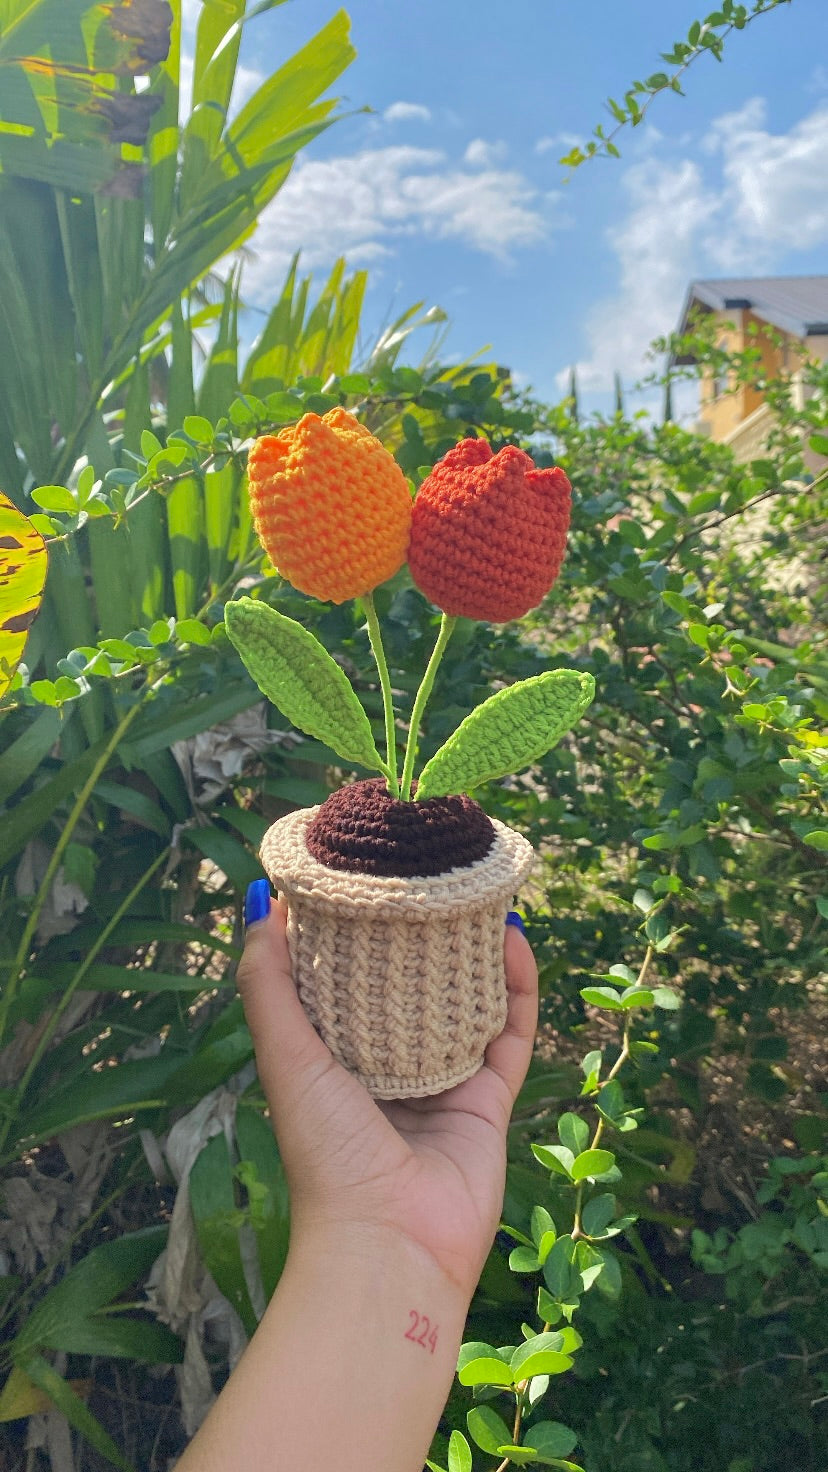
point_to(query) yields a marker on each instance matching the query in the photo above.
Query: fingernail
(257, 901)
(513, 918)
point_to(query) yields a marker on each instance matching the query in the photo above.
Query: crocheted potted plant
(398, 889)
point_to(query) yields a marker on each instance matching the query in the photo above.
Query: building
(778, 315)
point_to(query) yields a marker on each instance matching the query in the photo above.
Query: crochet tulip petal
(488, 532)
(330, 505)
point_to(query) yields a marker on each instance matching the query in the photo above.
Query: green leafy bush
(685, 811)
(683, 842)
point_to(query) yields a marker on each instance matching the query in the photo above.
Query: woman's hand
(430, 1170)
(393, 1209)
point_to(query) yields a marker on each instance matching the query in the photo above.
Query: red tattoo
(427, 1336)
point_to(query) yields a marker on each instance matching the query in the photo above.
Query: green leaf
(230, 856)
(555, 1157)
(508, 732)
(191, 631)
(355, 383)
(818, 838)
(609, 1281)
(47, 1379)
(664, 996)
(540, 1355)
(637, 996)
(524, 1260)
(271, 1218)
(551, 1440)
(459, 1453)
(560, 1275)
(703, 501)
(597, 1214)
(293, 670)
(700, 634)
(487, 1429)
(91, 1284)
(592, 1163)
(211, 1065)
(563, 1466)
(217, 1221)
(520, 1455)
(610, 1100)
(548, 1308)
(589, 1262)
(572, 1340)
(573, 1132)
(602, 996)
(134, 1086)
(480, 1364)
(541, 1225)
(55, 498)
(591, 1063)
(141, 1339)
(198, 428)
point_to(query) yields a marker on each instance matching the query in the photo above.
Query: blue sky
(449, 191)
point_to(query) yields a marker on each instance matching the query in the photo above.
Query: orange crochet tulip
(330, 505)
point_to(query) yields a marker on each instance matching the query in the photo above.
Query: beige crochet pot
(403, 978)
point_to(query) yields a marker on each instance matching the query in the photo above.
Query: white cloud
(656, 249)
(740, 206)
(818, 80)
(407, 112)
(775, 194)
(556, 141)
(483, 155)
(364, 204)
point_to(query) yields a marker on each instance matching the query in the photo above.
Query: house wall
(723, 408)
(739, 417)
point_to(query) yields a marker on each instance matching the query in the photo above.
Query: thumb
(510, 1054)
(290, 1054)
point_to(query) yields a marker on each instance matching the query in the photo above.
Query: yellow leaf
(23, 565)
(20, 1397)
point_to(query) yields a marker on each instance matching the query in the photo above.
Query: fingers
(289, 1052)
(509, 1054)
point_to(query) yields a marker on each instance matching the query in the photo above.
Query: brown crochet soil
(362, 829)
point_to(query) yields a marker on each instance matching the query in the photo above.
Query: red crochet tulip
(488, 532)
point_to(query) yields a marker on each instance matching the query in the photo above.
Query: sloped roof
(796, 304)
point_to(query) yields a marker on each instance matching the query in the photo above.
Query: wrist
(377, 1324)
(372, 1253)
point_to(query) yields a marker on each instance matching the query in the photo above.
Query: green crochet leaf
(293, 670)
(507, 732)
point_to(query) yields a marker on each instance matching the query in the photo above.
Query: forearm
(350, 1367)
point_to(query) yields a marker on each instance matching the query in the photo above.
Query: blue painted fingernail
(257, 901)
(513, 918)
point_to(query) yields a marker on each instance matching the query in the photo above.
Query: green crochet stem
(375, 637)
(447, 624)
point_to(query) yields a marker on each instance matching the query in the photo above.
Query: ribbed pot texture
(403, 978)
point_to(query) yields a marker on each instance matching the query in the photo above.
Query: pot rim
(292, 868)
